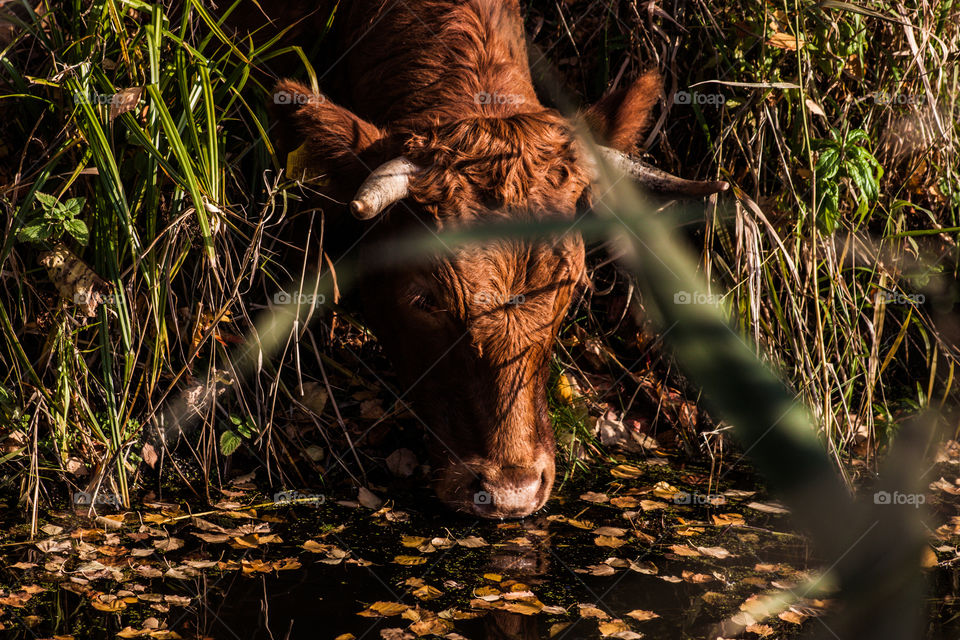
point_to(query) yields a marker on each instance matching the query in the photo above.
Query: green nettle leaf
(46, 201)
(73, 206)
(35, 232)
(77, 229)
(229, 442)
(248, 428)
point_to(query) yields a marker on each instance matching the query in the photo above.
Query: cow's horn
(389, 183)
(659, 181)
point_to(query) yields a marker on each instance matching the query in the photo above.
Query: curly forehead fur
(525, 161)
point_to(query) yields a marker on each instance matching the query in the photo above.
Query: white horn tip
(360, 210)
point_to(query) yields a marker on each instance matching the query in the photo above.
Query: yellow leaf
(626, 471)
(665, 490)
(388, 608)
(792, 616)
(412, 541)
(409, 560)
(590, 611)
(652, 505)
(435, 626)
(684, 551)
(625, 502)
(613, 626)
(641, 615)
(609, 541)
(523, 607)
(785, 41)
(728, 519)
(426, 592)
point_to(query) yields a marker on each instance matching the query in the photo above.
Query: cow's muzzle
(501, 491)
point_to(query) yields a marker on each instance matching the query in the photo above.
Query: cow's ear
(330, 137)
(620, 118)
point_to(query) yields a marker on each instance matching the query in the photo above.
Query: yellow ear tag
(296, 165)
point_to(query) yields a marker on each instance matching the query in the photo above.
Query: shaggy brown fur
(447, 84)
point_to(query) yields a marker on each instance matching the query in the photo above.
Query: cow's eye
(425, 302)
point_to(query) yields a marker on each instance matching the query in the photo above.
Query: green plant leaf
(46, 201)
(77, 229)
(73, 206)
(36, 232)
(229, 442)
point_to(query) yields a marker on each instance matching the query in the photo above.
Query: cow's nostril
(510, 492)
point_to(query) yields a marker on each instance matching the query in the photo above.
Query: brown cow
(435, 123)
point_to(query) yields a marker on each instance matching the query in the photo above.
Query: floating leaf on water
(412, 541)
(768, 507)
(645, 567)
(523, 608)
(625, 502)
(600, 570)
(696, 578)
(626, 471)
(456, 614)
(665, 490)
(714, 598)
(642, 614)
(596, 498)
(683, 550)
(385, 609)
(409, 560)
(472, 542)
(792, 616)
(652, 505)
(609, 531)
(108, 603)
(609, 541)
(761, 630)
(579, 524)
(557, 628)
(671, 579)
(728, 520)
(591, 611)
(714, 552)
(315, 547)
(436, 626)
(611, 627)
(493, 577)
(487, 592)
(426, 592)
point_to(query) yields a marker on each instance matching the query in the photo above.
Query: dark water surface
(691, 565)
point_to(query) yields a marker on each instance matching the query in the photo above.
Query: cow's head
(471, 331)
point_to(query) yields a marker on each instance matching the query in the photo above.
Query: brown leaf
(642, 614)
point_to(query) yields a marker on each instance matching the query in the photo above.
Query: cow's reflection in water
(525, 563)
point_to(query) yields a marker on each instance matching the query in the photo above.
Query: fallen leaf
(642, 614)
